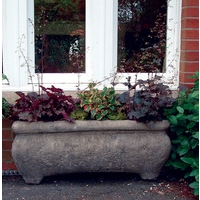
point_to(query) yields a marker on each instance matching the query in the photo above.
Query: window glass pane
(141, 35)
(59, 36)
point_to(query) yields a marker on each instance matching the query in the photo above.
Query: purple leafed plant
(51, 105)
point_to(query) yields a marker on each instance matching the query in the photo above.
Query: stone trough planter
(47, 148)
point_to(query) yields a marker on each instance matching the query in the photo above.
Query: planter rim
(89, 125)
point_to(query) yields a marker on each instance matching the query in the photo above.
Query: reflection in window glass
(59, 36)
(141, 35)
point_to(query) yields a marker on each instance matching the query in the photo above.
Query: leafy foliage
(5, 108)
(184, 120)
(147, 104)
(52, 105)
(98, 104)
(5, 104)
(4, 77)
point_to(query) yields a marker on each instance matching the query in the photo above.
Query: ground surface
(104, 186)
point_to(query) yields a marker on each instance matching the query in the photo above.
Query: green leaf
(101, 107)
(193, 118)
(180, 109)
(181, 117)
(188, 106)
(196, 191)
(92, 85)
(179, 165)
(194, 172)
(187, 175)
(191, 125)
(94, 112)
(4, 77)
(104, 112)
(172, 119)
(194, 143)
(99, 116)
(112, 100)
(180, 130)
(195, 94)
(169, 163)
(187, 160)
(194, 185)
(197, 176)
(182, 150)
(173, 156)
(103, 93)
(196, 135)
(176, 141)
(85, 102)
(185, 142)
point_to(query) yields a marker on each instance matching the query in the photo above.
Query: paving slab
(96, 186)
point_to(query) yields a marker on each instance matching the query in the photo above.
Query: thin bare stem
(26, 60)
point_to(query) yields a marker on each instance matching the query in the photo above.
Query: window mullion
(110, 39)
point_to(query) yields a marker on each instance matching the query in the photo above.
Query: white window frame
(171, 74)
(101, 46)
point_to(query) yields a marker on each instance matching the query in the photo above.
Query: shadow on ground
(97, 186)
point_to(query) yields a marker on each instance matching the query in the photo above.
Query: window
(165, 62)
(141, 35)
(59, 36)
(99, 43)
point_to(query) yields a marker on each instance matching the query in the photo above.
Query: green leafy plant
(5, 108)
(98, 104)
(184, 120)
(147, 104)
(4, 77)
(5, 104)
(52, 105)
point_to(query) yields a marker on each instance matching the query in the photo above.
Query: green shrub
(5, 108)
(98, 105)
(184, 120)
(5, 104)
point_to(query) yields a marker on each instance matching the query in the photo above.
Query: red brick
(9, 166)
(191, 67)
(7, 156)
(7, 145)
(188, 85)
(190, 12)
(190, 23)
(6, 134)
(6, 123)
(184, 77)
(189, 56)
(190, 34)
(190, 3)
(189, 45)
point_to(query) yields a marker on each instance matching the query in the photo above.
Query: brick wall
(189, 60)
(7, 139)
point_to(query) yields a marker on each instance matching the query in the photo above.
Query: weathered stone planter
(47, 148)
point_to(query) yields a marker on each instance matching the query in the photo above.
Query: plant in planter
(148, 103)
(93, 143)
(98, 105)
(52, 105)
